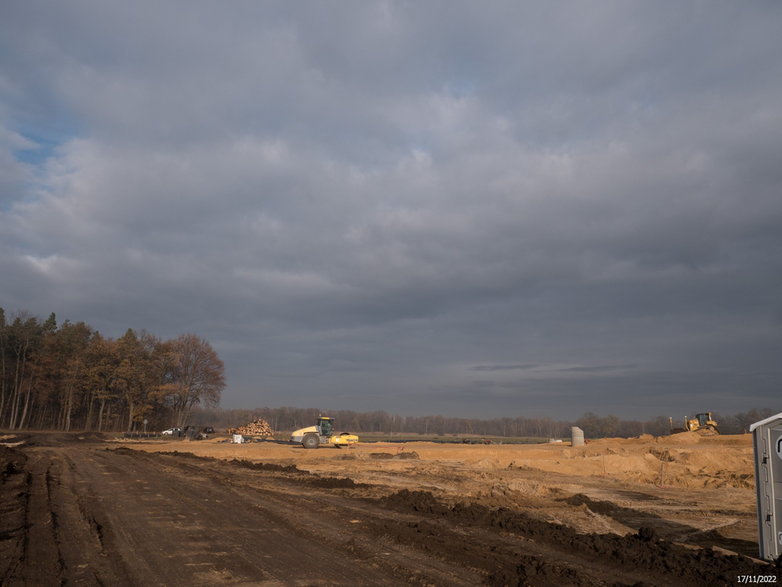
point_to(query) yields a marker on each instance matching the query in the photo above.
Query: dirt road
(90, 513)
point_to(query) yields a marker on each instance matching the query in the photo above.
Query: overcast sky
(473, 209)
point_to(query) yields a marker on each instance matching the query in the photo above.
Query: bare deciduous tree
(194, 375)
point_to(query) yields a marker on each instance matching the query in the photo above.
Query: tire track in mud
(14, 483)
(41, 556)
(79, 532)
(58, 541)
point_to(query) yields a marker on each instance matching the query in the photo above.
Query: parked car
(172, 432)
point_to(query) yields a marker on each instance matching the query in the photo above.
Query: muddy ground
(80, 509)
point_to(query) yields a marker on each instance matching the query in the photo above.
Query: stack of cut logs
(258, 427)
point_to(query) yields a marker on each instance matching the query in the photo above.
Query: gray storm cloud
(425, 208)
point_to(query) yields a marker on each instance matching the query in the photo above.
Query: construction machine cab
(326, 426)
(704, 419)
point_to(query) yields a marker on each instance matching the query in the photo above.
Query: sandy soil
(656, 511)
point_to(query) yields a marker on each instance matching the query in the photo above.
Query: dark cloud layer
(513, 208)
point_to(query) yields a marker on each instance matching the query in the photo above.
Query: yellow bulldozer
(322, 433)
(702, 423)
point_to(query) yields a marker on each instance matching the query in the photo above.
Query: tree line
(70, 377)
(593, 425)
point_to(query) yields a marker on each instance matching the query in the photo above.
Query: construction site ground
(86, 509)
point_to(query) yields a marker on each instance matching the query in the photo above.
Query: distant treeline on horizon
(594, 426)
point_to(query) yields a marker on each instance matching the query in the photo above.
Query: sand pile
(681, 460)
